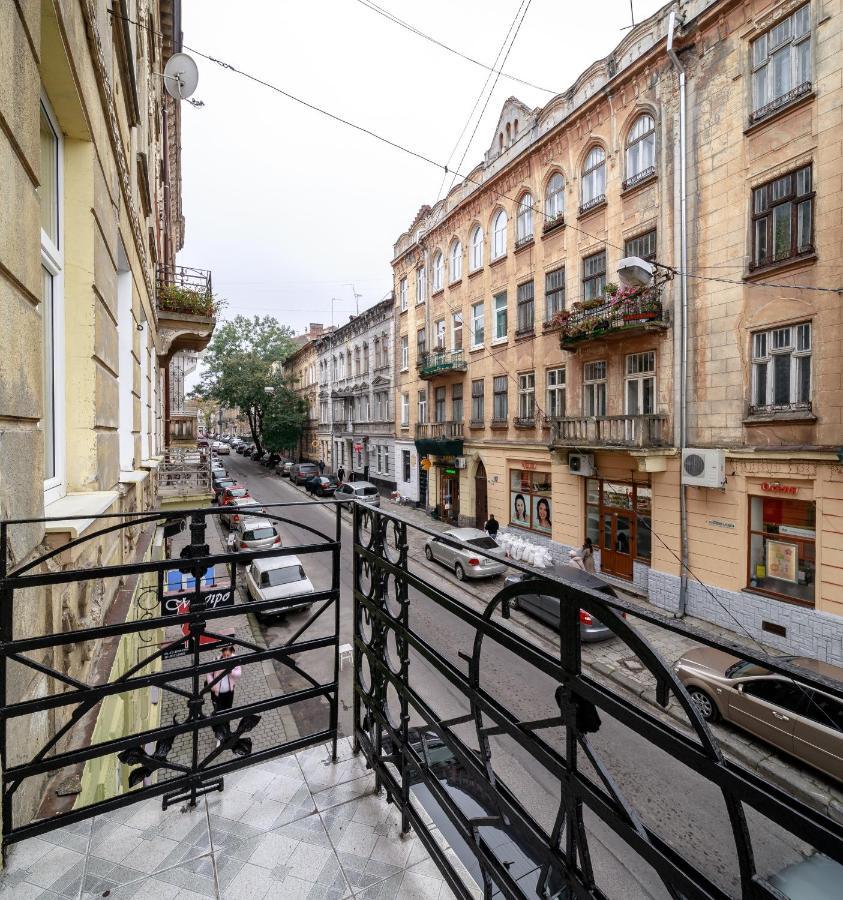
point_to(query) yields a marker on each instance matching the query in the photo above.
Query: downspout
(683, 316)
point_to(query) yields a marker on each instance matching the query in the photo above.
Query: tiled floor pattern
(298, 827)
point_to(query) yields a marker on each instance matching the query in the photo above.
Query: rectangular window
(456, 403)
(641, 383)
(554, 293)
(526, 308)
(421, 285)
(439, 404)
(781, 64)
(405, 410)
(782, 553)
(594, 389)
(405, 353)
(456, 331)
(405, 466)
(379, 455)
(421, 344)
(48, 420)
(478, 329)
(439, 332)
(781, 369)
(556, 392)
(500, 398)
(527, 396)
(530, 500)
(385, 459)
(48, 190)
(402, 293)
(422, 407)
(782, 218)
(478, 401)
(643, 246)
(594, 275)
(499, 316)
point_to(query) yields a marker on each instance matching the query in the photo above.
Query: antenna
(181, 76)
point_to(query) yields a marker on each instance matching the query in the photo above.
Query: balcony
(441, 362)
(187, 310)
(609, 431)
(439, 438)
(184, 475)
(374, 427)
(624, 313)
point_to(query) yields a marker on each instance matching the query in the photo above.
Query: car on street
(234, 492)
(241, 448)
(463, 560)
(803, 721)
(221, 485)
(546, 608)
(268, 460)
(321, 485)
(254, 533)
(221, 448)
(303, 471)
(280, 578)
(256, 454)
(283, 469)
(364, 491)
(232, 513)
(218, 471)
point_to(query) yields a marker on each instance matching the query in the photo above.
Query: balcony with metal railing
(439, 438)
(441, 362)
(620, 314)
(184, 475)
(640, 431)
(187, 310)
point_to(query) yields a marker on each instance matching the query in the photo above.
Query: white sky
(288, 208)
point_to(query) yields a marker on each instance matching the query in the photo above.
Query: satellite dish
(181, 76)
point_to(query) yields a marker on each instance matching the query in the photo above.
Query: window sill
(453, 284)
(497, 342)
(89, 505)
(476, 348)
(475, 424)
(584, 212)
(499, 424)
(474, 272)
(402, 311)
(437, 292)
(783, 265)
(405, 369)
(781, 417)
(420, 303)
(524, 423)
(525, 333)
(522, 245)
(553, 225)
(785, 108)
(783, 598)
(631, 189)
(495, 262)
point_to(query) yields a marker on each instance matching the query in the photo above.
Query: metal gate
(50, 733)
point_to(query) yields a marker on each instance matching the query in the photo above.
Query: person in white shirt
(222, 691)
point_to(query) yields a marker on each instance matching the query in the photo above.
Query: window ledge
(405, 369)
(525, 333)
(419, 302)
(631, 189)
(782, 598)
(602, 204)
(437, 292)
(785, 108)
(134, 477)
(499, 424)
(474, 272)
(553, 225)
(88, 505)
(476, 424)
(522, 245)
(402, 311)
(497, 342)
(455, 283)
(476, 348)
(499, 259)
(781, 417)
(783, 265)
(150, 463)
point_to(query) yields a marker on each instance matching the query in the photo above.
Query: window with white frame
(499, 235)
(386, 459)
(421, 285)
(478, 391)
(456, 261)
(402, 293)
(438, 271)
(439, 332)
(476, 248)
(377, 353)
(456, 331)
(594, 178)
(379, 457)
(422, 406)
(421, 344)
(405, 410)
(524, 221)
(594, 389)
(781, 63)
(478, 329)
(640, 150)
(555, 198)
(527, 396)
(781, 368)
(556, 392)
(594, 275)
(554, 293)
(405, 352)
(52, 303)
(640, 377)
(500, 317)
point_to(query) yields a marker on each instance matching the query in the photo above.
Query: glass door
(616, 543)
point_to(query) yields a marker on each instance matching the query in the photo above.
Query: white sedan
(280, 578)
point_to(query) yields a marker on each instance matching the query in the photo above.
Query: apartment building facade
(356, 429)
(301, 370)
(537, 382)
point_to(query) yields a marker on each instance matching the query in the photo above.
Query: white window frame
(455, 273)
(476, 249)
(761, 59)
(405, 410)
(499, 236)
(638, 369)
(640, 146)
(497, 309)
(556, 384)
(478, 320)
(594, 176)
(405, 352)
(438, 271)
(421, 285)
(527, 395)
(402, 293)
(52, 261)
(775, 342)
(595, 388)
(422, 407)
(555, 197)
(125, 363)
(439, 334)
(457, 327)
(524, 220)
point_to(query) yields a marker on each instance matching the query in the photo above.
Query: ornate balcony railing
(592, 204)
(441, 362)
(185, 290)
(609, 431)
(444, 430)
(640, 177)
(768, 109)
(622, 313)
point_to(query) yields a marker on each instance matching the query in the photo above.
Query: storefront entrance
(481, 505)
(616, 544)
(449, 496)
(618, 523)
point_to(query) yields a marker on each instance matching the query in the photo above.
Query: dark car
(242, 448)
(302, 472)
(255, 454)
(270, 459)
(546, 608)
(321, 485)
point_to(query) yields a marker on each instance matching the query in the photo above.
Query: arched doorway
(481, 508)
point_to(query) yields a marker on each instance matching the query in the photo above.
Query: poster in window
(782, 561)
(520, 509)
(541, 514)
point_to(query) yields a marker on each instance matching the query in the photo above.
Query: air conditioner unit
(461, 462)
(704, 468)
(581, 464)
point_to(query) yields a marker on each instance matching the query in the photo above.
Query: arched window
(438, 267)
(508, 134)
(476, 248)
(499, 234)
(456, 261)
(594, 178)
(555, 197)
(641, 149)
(524, 222)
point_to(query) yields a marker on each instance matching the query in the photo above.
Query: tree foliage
(244, 358)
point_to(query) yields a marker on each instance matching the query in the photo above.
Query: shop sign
(719, 523)
(773, 487)
(529, 465)
(180, 603)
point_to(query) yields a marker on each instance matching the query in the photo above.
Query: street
(683, 808)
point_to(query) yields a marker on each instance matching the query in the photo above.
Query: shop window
(605, 499)
(782, 218)
(529, 501)
(782, 555)
(781, 369)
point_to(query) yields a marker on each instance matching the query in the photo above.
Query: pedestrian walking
(222, 682)
(492, 526)
(321, 466)
(340, 474)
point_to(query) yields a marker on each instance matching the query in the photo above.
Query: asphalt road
(684, 809)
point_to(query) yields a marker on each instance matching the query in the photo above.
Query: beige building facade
(540, 377)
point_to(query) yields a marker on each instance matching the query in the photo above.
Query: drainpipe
(683, 314)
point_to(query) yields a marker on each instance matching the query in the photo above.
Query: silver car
(464, 560)
(255, 534)
(232, 513)
(364, 491)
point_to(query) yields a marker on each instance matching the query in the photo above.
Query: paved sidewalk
(297, 827)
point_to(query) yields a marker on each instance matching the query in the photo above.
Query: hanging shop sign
(173, 604)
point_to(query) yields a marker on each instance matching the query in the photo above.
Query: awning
(438, 447)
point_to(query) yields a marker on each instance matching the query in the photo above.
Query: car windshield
(258, 534)
(483, 543)
(742, 668)
(239, 492)
(286, 575)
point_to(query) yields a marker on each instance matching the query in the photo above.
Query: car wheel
(704, 704)
(514, 604)
(428, 552)
(459, 571)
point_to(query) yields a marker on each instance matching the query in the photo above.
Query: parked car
(221, 486)
(803, 721)
(241, 448)
(364, 491)
(256, 454)
(234, 492)
(232, 513)
(303, 471)
(279, 578)
(321, 485)
(464, 560)
(268, 460)
(546, 608)
(254, 533)
(221, 448)
(284, 470)
(218, 471)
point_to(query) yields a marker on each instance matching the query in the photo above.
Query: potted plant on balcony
(174, 298)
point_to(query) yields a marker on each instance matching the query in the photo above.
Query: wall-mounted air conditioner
(704, 468)
(460, 462)
(581, 464)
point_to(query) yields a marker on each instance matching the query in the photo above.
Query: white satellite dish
(181, 75)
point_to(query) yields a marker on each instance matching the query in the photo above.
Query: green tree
(244, 358)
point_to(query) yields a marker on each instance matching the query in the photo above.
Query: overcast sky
(288, 208)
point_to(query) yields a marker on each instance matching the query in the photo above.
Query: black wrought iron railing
(790, 96)
(593, 203)
(440, 362)
(639, 177)
(182, 289)
(598, 318)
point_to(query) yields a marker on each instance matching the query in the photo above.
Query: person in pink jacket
(222, 690)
